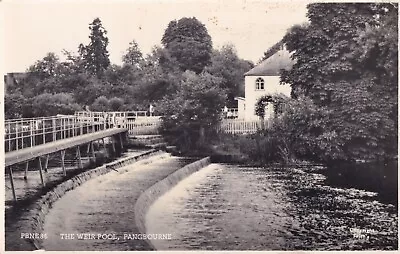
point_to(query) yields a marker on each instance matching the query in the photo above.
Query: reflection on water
(227, 207)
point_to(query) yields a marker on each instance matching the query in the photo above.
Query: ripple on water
(228, 207)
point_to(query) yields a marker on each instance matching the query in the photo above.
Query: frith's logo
(362, 233)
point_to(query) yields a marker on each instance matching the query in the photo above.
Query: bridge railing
(29, 132)
(137, 122)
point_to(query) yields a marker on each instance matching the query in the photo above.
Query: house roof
(272, 65)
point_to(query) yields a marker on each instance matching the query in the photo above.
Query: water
(105, 205)
(227, 207)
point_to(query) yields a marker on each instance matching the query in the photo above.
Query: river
(231, 207)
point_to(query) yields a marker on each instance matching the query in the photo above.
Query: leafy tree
(100, 104)
(45, 68)
(188, 41)
(13, 104)
(192, 114)
(346, 62)
(227, 65)
(116, 104)
(52, 104)
(133, 55)
(95, 55)
(272, 50)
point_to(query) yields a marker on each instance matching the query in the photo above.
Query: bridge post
(12, 183)
(46, 163)
(73, 127)
(26, 170)
(41, 171)
(92, 151)
(31, 129)
(78, 154)
(54, 130)
(63, 162)
(44, 133)
(121, 140)
(16, 137)
(113, 144)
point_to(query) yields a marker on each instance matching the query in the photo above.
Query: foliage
(227, 65)
(100, 104)
(272, 50)
(133, 55)
(346, 62)
(192, 114)
(52, 104)
(13, 105)
(116, 104)
(188, 41)
(95, 55)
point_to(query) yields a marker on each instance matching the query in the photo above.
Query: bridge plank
(30, 153)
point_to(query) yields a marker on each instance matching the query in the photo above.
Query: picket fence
(238, 126)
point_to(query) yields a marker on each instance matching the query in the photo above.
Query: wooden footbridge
(30, 139)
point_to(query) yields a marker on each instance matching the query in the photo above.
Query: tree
(272, 50)
(95, 55)
(346, 62)
(133, 55)
(52, 104)
(101, 104)
(227, 65)
(189, 43)
(13, 104)
(45, 68)
(192, 114)
(116, 104)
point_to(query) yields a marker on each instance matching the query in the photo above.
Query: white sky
(34, 28)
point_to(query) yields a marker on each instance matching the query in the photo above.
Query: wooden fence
(236, 126)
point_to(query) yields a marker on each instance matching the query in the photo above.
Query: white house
(263, 79)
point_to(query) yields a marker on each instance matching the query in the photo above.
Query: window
(259, 84)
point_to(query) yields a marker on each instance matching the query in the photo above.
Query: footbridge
(70, 138)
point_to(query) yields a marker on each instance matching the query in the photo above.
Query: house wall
(271, 87)
(241, 109)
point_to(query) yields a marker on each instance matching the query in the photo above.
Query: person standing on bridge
(151, 110)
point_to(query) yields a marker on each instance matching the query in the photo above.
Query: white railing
(28, 132)
(144, 125)
(231, 113)
(236, 126)
(137, 122)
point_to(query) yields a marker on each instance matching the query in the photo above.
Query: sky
(31, 29)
